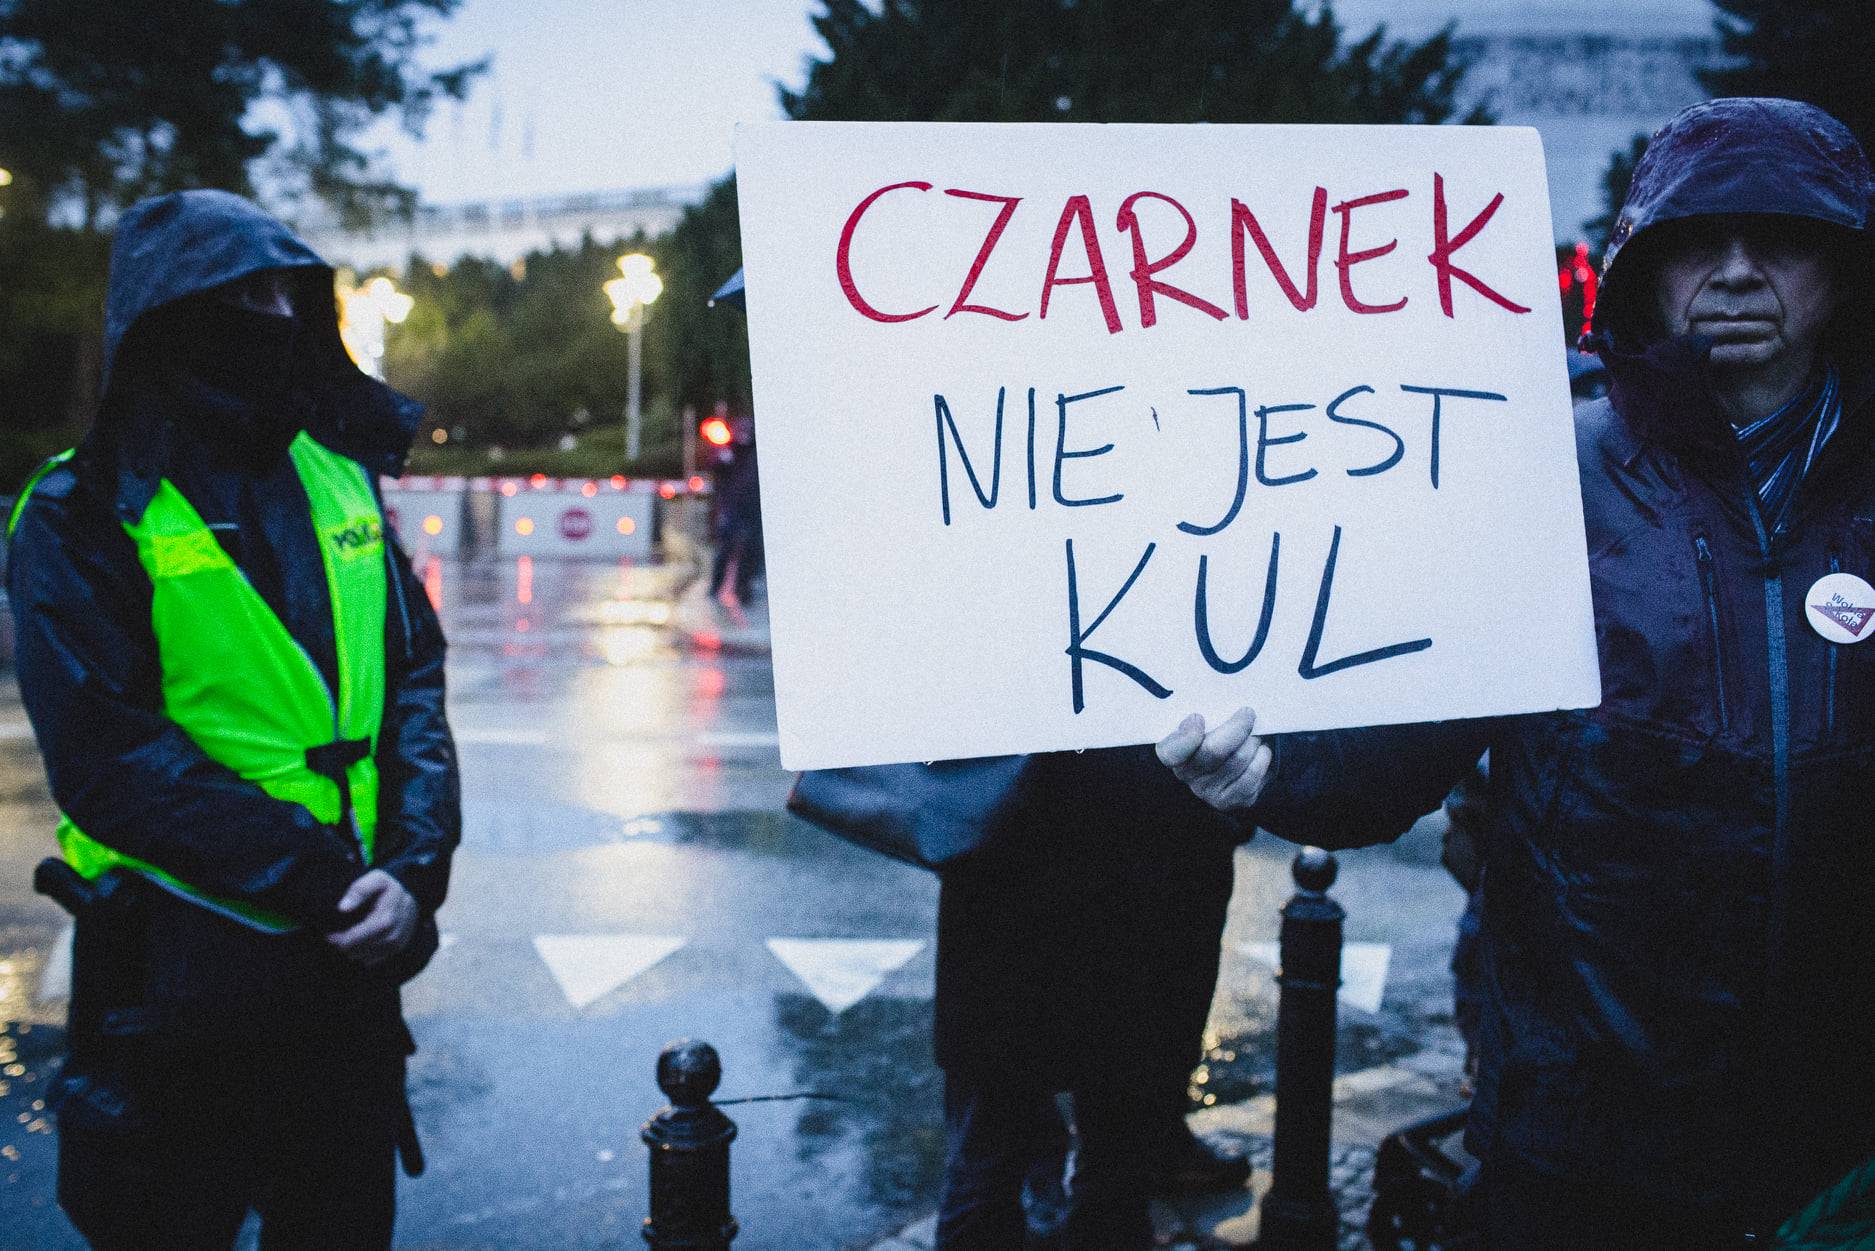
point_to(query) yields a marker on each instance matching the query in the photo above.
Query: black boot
(1193, 1165)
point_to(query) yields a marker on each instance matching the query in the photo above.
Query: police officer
(237, 687)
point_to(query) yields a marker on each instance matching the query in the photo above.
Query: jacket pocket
(1708, 585)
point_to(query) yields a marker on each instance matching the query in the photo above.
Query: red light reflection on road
(524, 580)
(433, 582)
(711, 683)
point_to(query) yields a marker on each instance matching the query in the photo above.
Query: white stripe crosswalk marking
(1363, 970)
(525, 736)
(589, 967)
(840, 971)
(501, 736)
(736, 738)
(15, 732)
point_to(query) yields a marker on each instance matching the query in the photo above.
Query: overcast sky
(592, 95)
(597, 95)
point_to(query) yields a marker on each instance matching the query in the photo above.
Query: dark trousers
(739, 547)
(160, 1150)
(998, 1132)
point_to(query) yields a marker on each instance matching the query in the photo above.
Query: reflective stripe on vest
(244, 689)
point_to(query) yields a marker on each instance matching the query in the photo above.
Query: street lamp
(639, 286)
(6, 179)
(363, 314)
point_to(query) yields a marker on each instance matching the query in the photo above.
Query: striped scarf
(1779, 449)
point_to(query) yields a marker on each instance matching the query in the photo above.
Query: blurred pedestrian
(1674, 1034)
(237, 686)
(739, 555)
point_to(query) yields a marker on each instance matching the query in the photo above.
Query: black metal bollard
(689, 1143)
(1298, 1213)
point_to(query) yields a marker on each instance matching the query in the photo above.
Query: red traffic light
(716, 432)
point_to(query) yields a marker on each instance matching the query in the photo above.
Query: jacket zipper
(1778, 657)
(1708, 584)
(1829, 692)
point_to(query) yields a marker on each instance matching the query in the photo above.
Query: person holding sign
(1678, 885)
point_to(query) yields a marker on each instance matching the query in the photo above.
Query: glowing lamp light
(626, 525)
(6, 178)
(363, 314)
(696, 483)
(668, 490)
(638, 286)
(432, 525)
(524, 526)
(716, 432)
(396, 304)
(589, 489)
(509, 488)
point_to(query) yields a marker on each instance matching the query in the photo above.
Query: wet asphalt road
(628, 877)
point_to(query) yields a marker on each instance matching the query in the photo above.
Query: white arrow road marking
(592, 966)
(843, 971)
(55, 979)
(1363, 970)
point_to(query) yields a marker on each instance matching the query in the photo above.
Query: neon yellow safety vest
(242, 687)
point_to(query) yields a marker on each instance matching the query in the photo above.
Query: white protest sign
(1068, 431)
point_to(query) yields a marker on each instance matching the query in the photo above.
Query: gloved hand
(386, 919)
(1226, 768)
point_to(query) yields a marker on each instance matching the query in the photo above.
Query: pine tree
(1813, 50)
(103, 102)
(1116, 61)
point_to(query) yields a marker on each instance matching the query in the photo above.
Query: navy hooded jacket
(1679, 885)
(87, 657)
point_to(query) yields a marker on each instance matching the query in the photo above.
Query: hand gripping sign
(1070, 430)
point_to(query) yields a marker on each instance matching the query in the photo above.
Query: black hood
(172, 247)
(1732, 156)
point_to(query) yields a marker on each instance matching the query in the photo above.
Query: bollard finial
(1314, 870)
(689, 1144)
(688, 1072)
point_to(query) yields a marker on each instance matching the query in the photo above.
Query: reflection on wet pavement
(623, 795)
(887, 1129)
(547, 826)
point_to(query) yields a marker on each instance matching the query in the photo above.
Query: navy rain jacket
(91, 680)
(1679, 885)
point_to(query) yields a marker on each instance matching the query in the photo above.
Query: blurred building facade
(1589, 75)
(505, 230)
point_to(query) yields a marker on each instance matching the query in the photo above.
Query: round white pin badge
(1841, 608)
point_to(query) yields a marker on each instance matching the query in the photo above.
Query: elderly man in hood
(237, 686)
(1679, 885)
